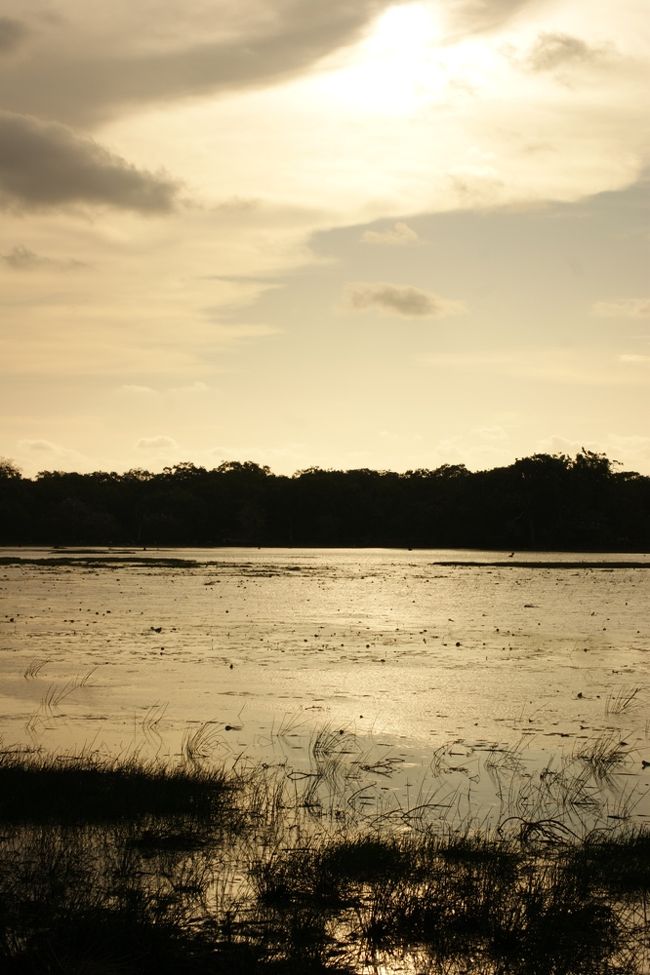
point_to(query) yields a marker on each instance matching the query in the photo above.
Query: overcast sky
(369, 234)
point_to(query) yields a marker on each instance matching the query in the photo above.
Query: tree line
(544, 502)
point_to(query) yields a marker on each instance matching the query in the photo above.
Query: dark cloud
(81, 83)
(558, 50)
(44, 165)
(21, 258)
(400, 300)
(12, 34)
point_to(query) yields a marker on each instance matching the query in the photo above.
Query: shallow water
(445, 659)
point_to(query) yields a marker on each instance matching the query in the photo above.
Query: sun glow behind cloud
(391, 72)
(397, 131)
(405, 119)
(403, 66)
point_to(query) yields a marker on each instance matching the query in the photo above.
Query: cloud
(558, 50)
(89, 75)
(40, 446)
(493, 434)
(133, 389)
(399, 234)
(482, 16)
(400, 300)
(12, 34)
(238, 331)
(632, 449)
(632, 357)
(45, 165)
(623, 308)
(156, 443)
(23, 259)
(146, 392)
(552, 365)
(47, 452)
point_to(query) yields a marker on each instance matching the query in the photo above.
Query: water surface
(417, 655)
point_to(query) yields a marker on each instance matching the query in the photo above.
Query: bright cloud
(156, 443)
(33, 454)
(397, 235)
(133, 389)
(623, 308)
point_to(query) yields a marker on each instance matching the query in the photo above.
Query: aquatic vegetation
(199, 743)
(604, 754)
(85, 788)
(501, 839)
(622, 700)
(123, 866)
(34, 668)
(57, 693)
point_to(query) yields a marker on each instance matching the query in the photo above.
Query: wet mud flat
(457, 676)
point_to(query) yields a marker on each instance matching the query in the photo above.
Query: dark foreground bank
(127, 867)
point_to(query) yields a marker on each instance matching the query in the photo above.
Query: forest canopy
(541, 502)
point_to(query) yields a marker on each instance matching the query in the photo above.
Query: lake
(477, 673)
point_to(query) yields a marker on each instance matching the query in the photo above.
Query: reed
(123, 866)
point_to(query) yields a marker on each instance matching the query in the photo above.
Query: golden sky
(369, 234)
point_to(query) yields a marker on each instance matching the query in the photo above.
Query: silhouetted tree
(9, 470)
(546, 501)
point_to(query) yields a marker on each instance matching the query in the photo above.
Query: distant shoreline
(512, 564)
(108, 559)
(540, 504)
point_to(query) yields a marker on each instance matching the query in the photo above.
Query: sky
(370, 234)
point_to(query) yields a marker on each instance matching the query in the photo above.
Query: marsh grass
(605, 754)
(57, 693)
(149, 727)
(457, 902)
(125, 867)
(200, 743)
(86, 789)
(618, 862)
(54, 696)
(582, 789)
(33, 669)
(623, 700)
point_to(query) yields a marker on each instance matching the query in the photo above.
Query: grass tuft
(36, 789)
(622, 701)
